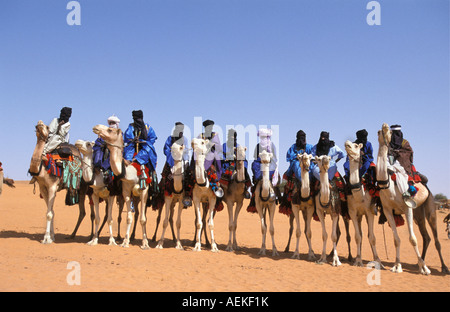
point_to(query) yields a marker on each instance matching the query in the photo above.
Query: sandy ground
(27, 265)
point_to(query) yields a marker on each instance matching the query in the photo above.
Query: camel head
(240, 152)
(199, 146)
(265, 157)
(110, 135)
(353, 150)
(305, 160)
(323, 162)
(384, 135)
(177, 151)
(42, 131)
(85, 147)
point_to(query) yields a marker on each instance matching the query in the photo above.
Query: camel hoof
(112, 242)
(125, 243)
(322, 260)
(214, 248)
(160, 245)
(198, 247)
(229, 248)
(275, 253)
(93, 242)
(397, 268)
(424, 270)
(47, 241)
(262, 252)
(179, 246)
(358, 263)
(296, 255)
(336, 262)
(312, 257)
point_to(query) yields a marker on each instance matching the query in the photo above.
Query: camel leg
(372, 239)
(49, 197)
(127, 199)
(236, 214)
(199, 225)
(261, 213)
(205, 210)
(211, 224)
(291, 229)
(172, 211)
(143, 220)
(158, 220)
(348, 237)
(167, 204)
(120, 203)
(81, 214)
(135, 201)
(295, 212)
(397, 268)
(358, 237)
(413, 240)
(272, 230)
(94, 240)
(110, 204)
(230, 225)
(336, 261)
(178, 224)
(307, 216)
(323, 258)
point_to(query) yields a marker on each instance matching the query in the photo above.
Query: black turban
(207, 123)
(178, 131)
(361, 136)
(139, 125)
(300, 141)
(324, 144)
(397, 137)
(65, 114)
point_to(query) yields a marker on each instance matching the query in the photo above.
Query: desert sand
(27, 265)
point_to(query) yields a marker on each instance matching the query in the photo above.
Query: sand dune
(27, 265)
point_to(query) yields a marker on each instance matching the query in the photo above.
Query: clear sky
(313, 65)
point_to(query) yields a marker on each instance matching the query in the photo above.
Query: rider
(100, 149)
(58, 130)
(366, 155)
(139, 139)
(326, 147)
(299, 147)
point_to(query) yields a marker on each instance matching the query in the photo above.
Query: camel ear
(316, 158)
(245, 148)
(206, 142)
(360, 145)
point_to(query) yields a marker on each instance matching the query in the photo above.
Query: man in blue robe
(176, 137)
(298, 148)
(100, 149)
(366, 155)
(139, 139)
(326, 147)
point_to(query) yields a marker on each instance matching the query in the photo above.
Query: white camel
(48, 185)
(392, 200)
(360, 203)
(96, 182)
(177, 195)
(129, 177)
(303, 201)
(265, 201)
(327, 202)
(234, 193)
(202, 193)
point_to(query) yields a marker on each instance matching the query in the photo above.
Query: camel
(265, 201)
(96, 182)
(202, 193)
(392, 201)
(177, 196)
(129, 177)
(360, 203)
(48, 185)
(327, 202)
(304, 204)
(234, 193)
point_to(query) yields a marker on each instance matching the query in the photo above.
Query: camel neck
(240, 170)
(354, 171)
(324, 187)
(265, 190)
(115, 159)
(304, 190)
(200, 169)
(36, 159)
(88, 170)
(382, 163)
(178, 175)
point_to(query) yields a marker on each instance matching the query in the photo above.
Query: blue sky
(311, 65)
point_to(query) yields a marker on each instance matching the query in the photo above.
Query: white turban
(113, 122)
